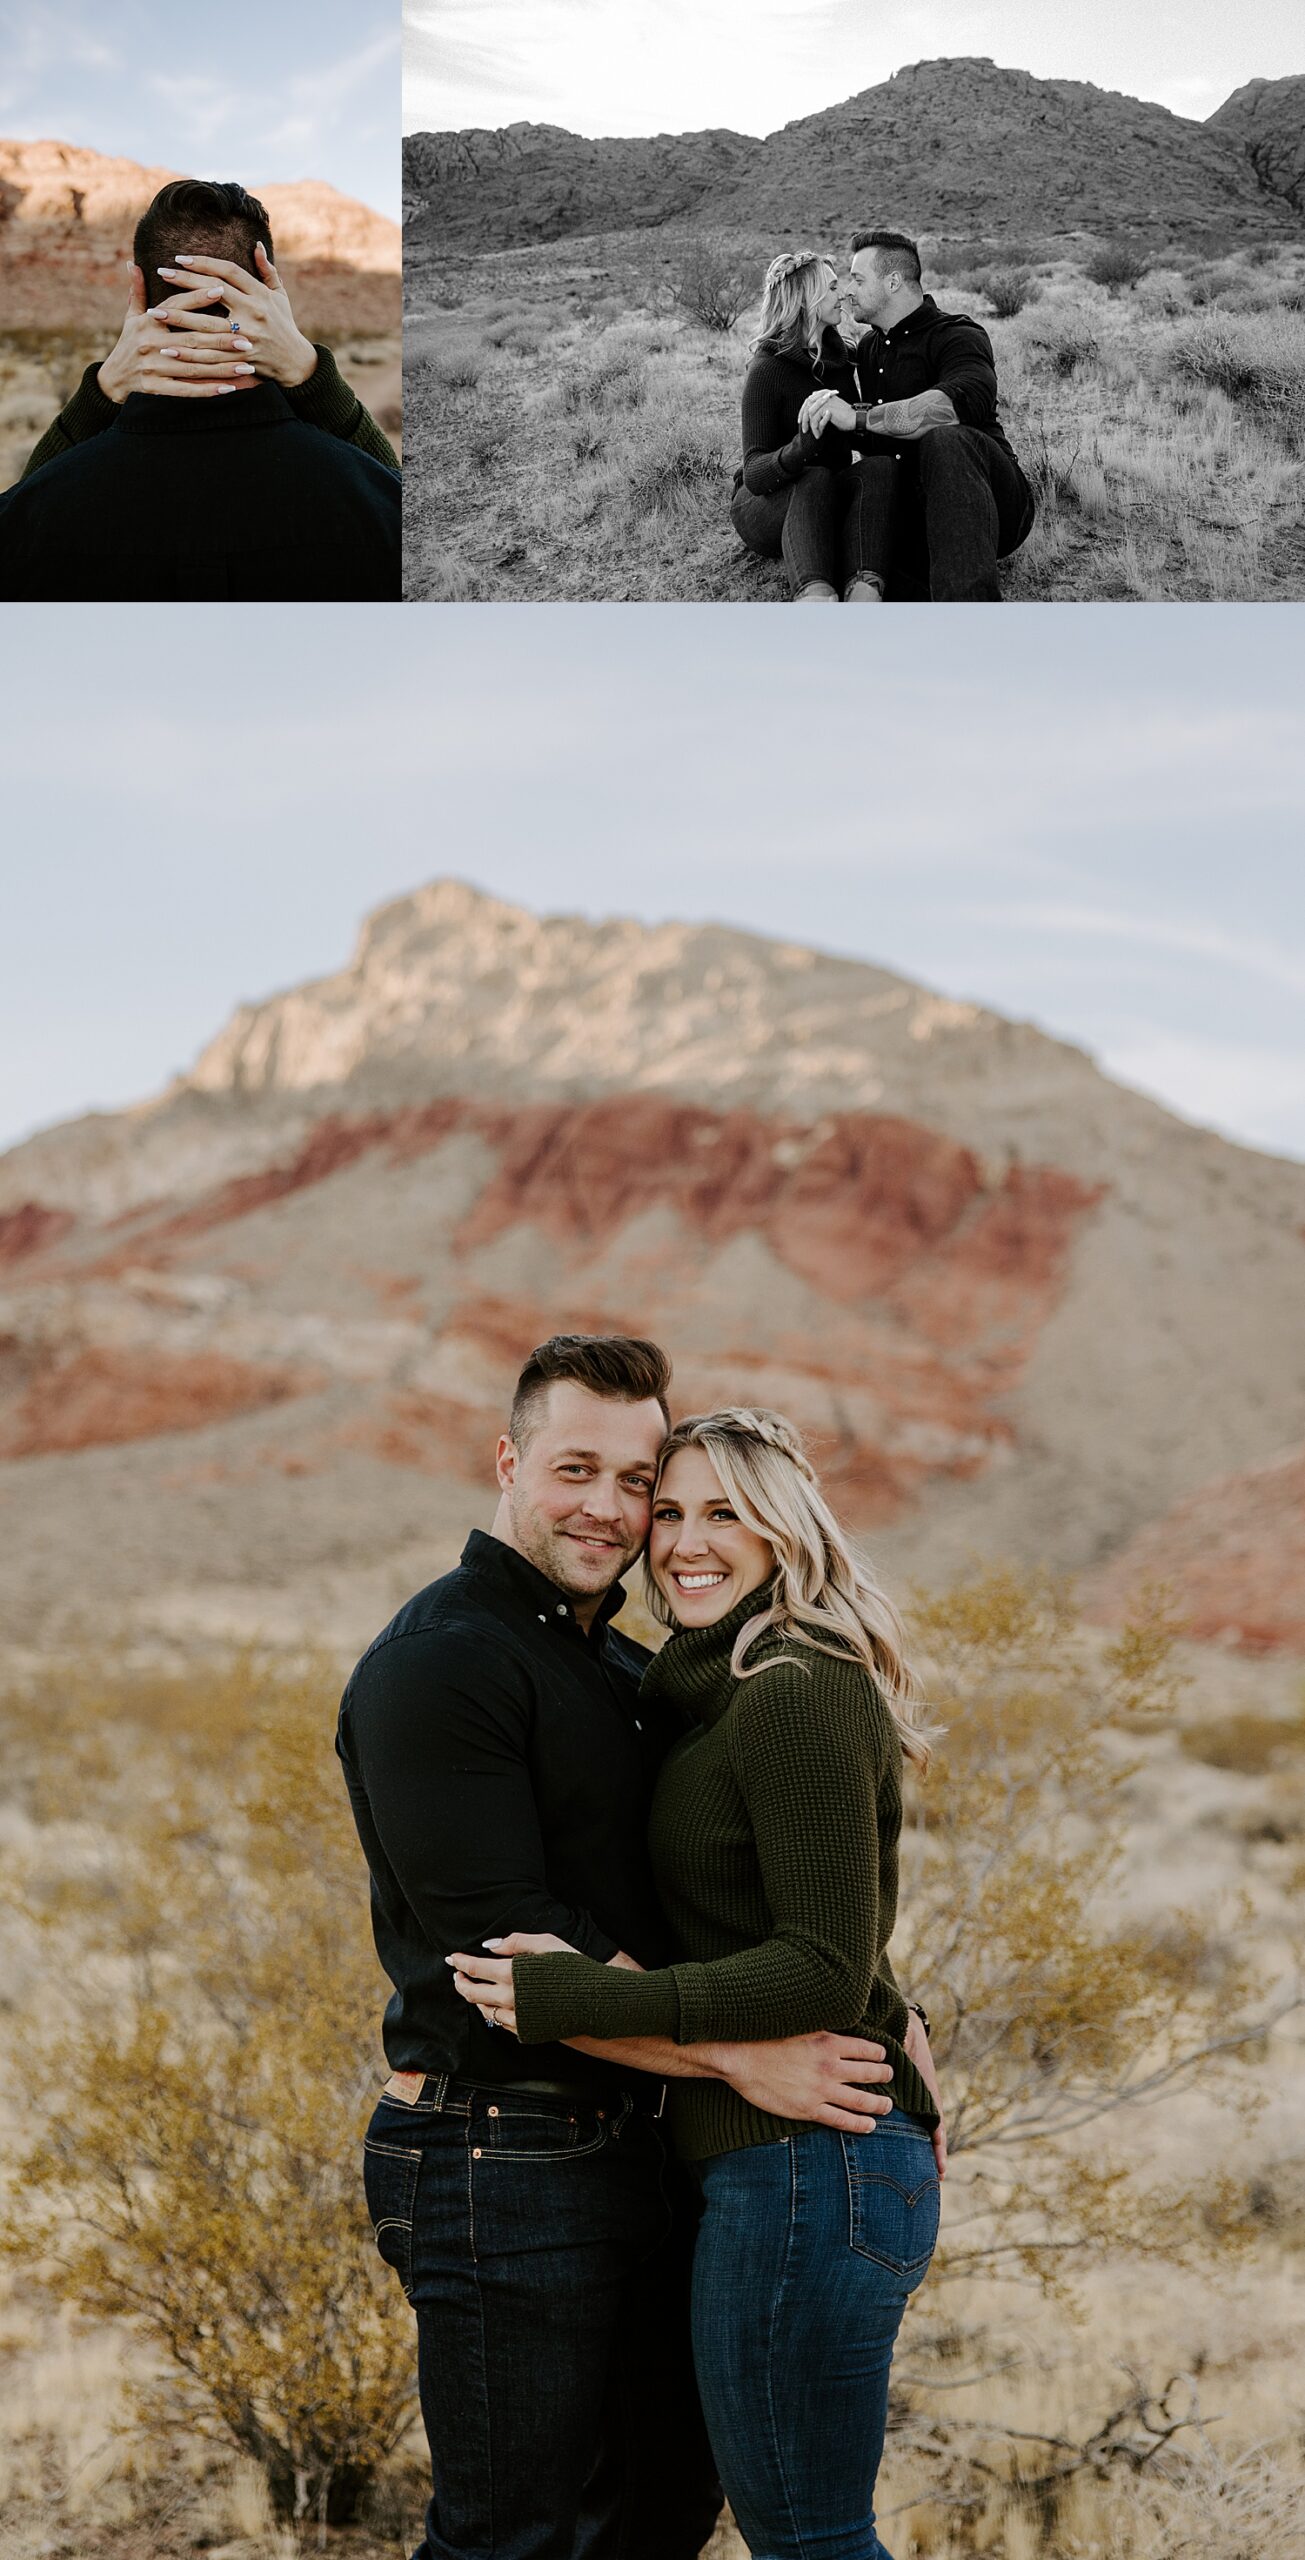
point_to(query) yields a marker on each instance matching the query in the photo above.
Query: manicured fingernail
(184, 262)
(491, 1942)
(167, 271)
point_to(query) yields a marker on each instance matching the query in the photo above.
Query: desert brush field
(199, 2347)
(574, 424)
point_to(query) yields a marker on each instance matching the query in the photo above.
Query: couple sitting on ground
(876, 469)
(216, 451)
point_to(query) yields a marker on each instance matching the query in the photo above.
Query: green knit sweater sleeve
(86, 414)
(326, 400)
(807, 1746)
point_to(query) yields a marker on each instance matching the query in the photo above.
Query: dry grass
(574, 436)
(996, 2382)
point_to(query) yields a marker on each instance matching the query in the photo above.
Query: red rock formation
(1233, 1557)
(67, 217)
(94, 1399)
(30, 1227)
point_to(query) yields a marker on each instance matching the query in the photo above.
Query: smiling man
(500, 1764)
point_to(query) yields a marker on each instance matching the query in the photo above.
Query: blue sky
(650, 66)
(1096, 826)
(304, 90)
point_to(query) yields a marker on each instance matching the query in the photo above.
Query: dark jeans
(939, 519)
(819, 526)
(546, 2248)
(808, 2251)
(932, 524)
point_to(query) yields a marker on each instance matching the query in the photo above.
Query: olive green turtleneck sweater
(773, 1834)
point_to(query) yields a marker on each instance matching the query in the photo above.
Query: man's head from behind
(577, 1463)
(199, 217)
(884, 277)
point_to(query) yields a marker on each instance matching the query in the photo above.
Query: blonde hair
(795, 284)
(825, 1597)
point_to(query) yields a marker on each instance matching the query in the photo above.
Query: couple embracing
(658, 2163)
(875, 464)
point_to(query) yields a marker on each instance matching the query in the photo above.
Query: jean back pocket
(893, 2200)
(390, 2182)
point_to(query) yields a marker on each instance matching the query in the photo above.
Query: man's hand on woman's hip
(817, 2079)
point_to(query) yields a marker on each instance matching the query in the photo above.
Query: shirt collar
(517, 1583)
(151, 413)
(916, 319)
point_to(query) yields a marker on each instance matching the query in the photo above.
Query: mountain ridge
(959, 144)
(67, 215)
(266, 1320)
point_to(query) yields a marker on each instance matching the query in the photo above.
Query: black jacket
(500, 1767)
(935, 350)
(232, 497)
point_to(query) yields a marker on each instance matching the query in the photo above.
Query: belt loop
(437, 2089)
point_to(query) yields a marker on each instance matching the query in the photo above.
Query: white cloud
(1174, 935)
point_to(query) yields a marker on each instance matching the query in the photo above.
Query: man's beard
(551, 1546)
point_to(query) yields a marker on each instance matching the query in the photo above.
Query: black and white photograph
(695, 310)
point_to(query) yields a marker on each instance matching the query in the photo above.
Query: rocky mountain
(66, 223)
(257, 1334)
(1267, 120)
(957, 147)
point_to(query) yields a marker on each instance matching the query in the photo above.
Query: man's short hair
(892, 249)
(197, 217)
(609, 1364)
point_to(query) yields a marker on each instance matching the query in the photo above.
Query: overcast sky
(1097, 828)
(298, 89)
(675, 66)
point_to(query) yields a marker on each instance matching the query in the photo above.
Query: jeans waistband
(442, 2092)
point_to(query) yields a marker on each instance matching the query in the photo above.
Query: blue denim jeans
(545, 2246)
(807, 2253)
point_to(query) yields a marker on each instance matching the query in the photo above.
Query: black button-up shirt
(933, 350)
(500, 1768)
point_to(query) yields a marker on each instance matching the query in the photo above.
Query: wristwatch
(921, 2014)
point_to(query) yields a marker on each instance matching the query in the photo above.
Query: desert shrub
(1252, 359)
(671, 466)
(711, 282)
(611, 374)
(1050, 2008)
(1008, 290)
(519, 333)
(1061, 347)
(196, 2165)
(1118, 265)
(458, 372)
(1245, 1740)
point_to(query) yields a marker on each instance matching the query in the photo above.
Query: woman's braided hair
(794, 286)
(823, 1595)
